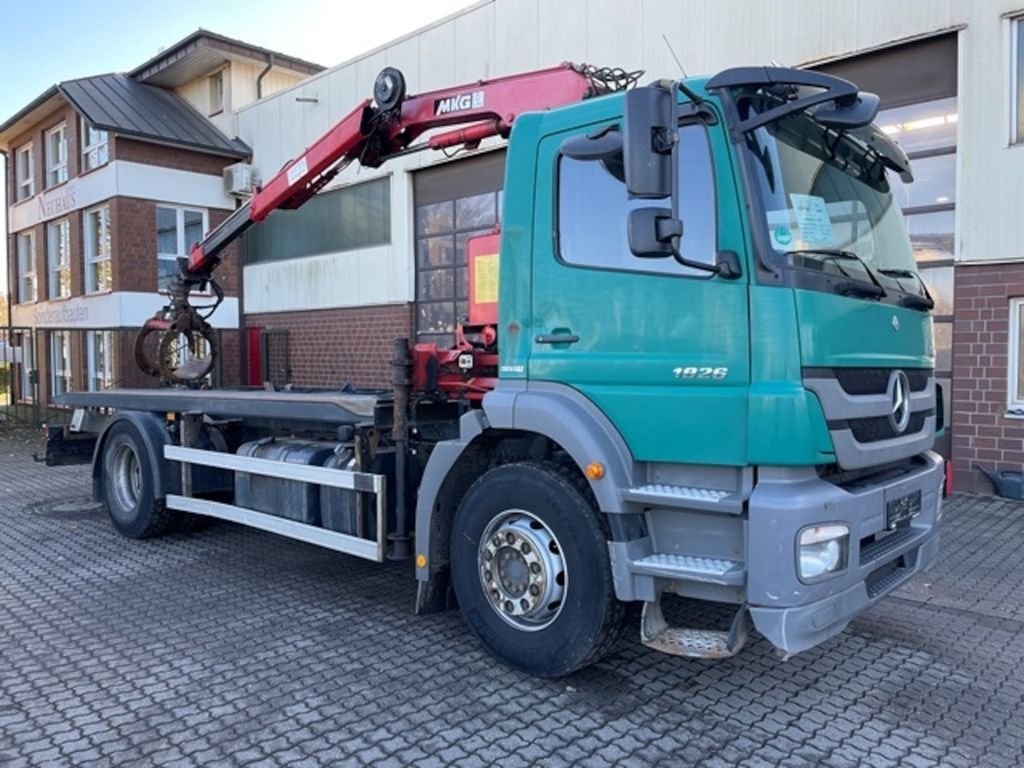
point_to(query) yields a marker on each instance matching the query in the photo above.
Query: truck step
(656, 633)
(692, 568)
(686, 496)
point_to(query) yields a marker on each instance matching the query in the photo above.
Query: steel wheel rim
(127, 477)
(522, 570)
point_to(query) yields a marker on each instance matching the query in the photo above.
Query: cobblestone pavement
(229, 646)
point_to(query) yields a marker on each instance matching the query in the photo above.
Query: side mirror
(603, 144)
(651, 232)
(649, 133)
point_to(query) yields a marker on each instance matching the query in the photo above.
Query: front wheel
(531, 570)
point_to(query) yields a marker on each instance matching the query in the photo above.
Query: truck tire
(128, 486)
(531, 570)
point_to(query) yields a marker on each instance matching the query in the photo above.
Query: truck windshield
(828, 212)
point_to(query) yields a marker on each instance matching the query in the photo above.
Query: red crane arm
(370, 134)
(374, 132)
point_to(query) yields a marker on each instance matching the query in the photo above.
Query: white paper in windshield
(812, 218)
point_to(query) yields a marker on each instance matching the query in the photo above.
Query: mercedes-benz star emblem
(899, 396)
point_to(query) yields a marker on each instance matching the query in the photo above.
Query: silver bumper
(795, 616)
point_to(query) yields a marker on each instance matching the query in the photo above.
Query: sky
(48, 41)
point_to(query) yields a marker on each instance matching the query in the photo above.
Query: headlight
(822, 550)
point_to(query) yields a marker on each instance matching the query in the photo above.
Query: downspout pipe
(266, 70)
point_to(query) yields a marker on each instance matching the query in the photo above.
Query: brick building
(110, 179)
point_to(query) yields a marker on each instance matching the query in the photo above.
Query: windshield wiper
(923, 301)
(835, 254)
(857, 288)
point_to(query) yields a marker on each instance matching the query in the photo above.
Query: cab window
(593, 209)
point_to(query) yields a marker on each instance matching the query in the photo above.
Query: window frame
(106, 379)
(60, 168)
(64, 338)
(19, 238)
(1014, 359)
(216, 78)
(92, 259)
(94, 148)
(30, 179)
(55, 267)
(690, 273)
(179, 228)
(1016, 31)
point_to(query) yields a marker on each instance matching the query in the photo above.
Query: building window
(97, 250)
(58, 254)
(216, 92)
(27, 366)
(177, 230)
(1015, 367)
(60, 362)
(28, 289)
(56, 155)
(1017, 81)
(927, 133)
(442, 285)
(454, 202)
(25, 179)
(353, 217)
(94, 147)
(100, 360)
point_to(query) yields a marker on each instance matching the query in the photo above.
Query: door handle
(557, 338)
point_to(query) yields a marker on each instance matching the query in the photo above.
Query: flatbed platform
(323, 407)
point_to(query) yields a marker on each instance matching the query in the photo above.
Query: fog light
(822, 550)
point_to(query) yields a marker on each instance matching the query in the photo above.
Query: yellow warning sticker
(486, 276)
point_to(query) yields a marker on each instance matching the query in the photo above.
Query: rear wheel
(531, 570)
(128, 485)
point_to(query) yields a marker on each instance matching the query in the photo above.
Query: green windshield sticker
(782, 238)
(812, 218)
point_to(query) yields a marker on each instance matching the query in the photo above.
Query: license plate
(902, 509)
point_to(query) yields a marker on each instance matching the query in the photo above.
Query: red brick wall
(169, 157)
(330, 347)
(982, 433)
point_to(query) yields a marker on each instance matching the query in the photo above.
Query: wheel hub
(127, 477)
(522, 569)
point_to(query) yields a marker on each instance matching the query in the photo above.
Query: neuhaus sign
(58, 201)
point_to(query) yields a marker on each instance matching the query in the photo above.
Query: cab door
(661, 349)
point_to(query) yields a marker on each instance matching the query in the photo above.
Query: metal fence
(19, 387)
(275, 357)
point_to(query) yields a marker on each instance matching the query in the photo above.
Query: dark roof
(124, 106)
(202, 51)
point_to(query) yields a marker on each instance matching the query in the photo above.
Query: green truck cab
(756, 398)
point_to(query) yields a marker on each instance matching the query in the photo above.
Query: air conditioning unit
(239, 180)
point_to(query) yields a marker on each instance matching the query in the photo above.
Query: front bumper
(795, 616)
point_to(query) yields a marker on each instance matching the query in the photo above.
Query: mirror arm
(726, 268)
